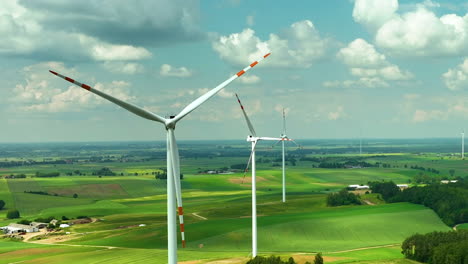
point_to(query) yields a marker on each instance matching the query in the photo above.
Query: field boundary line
(199, 216)
(363, 248)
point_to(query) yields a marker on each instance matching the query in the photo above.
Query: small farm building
(18, 228)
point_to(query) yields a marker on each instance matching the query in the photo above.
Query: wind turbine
(173, 168)
(253, 138)
(463, 144)
(284, 137)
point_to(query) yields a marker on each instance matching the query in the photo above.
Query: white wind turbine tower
(284, 137)
(253, 138)
(463, 144)
(173, 169)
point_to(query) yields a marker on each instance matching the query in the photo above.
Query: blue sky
(388, 68)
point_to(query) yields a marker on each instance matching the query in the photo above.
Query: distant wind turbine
(284, 137)
(173, 167)
(360, 141)
(254, 140)
(463, 144)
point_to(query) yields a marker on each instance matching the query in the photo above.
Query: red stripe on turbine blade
(53, 72)
(181, 211)
(254, 63)
(182, 228)
(69, 79)
(242, 107)
(87, 87)
(240, 73)
(183, 243)
(266, 55)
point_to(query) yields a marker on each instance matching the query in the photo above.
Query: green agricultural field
(218, 206)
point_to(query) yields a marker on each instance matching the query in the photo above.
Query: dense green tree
(342, 197)
(450, 253)
(386, 189)
(425, 248)
(2, 204)
(75, 195)
(12, 214)
(452, 172)
(24, 222)
(318, 259)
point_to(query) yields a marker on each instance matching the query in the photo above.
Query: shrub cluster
(342, 197)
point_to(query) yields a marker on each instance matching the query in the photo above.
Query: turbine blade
(249, 124)
(200, 100)
(273, 139)
(276, 143)
(130, 107)
(248, 162)
(298, 145)
(176, 175)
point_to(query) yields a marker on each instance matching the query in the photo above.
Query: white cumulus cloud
(170, 71)
(374, 13)
(123, 67)
(42, 91)
(300, 46)
(371, 67)
(419, 32)
(457, 78)
(249, 79)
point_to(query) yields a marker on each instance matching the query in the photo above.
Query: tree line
(449, 201)
(438, 247)
(47, 174)
(277, 260)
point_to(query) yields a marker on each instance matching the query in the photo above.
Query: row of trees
(163, 175)
(277, 260)
(449, 201)
(342, 197)
(47, 174)
(438, 247)
(104, 172)
(416, 167)
(17, 176)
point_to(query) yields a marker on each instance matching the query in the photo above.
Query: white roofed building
(18, 228)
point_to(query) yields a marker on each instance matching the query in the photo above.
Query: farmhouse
(38, 225)
(362, 187)
(402, 186)
(447, 181)
(358, 187)
(18, 228)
